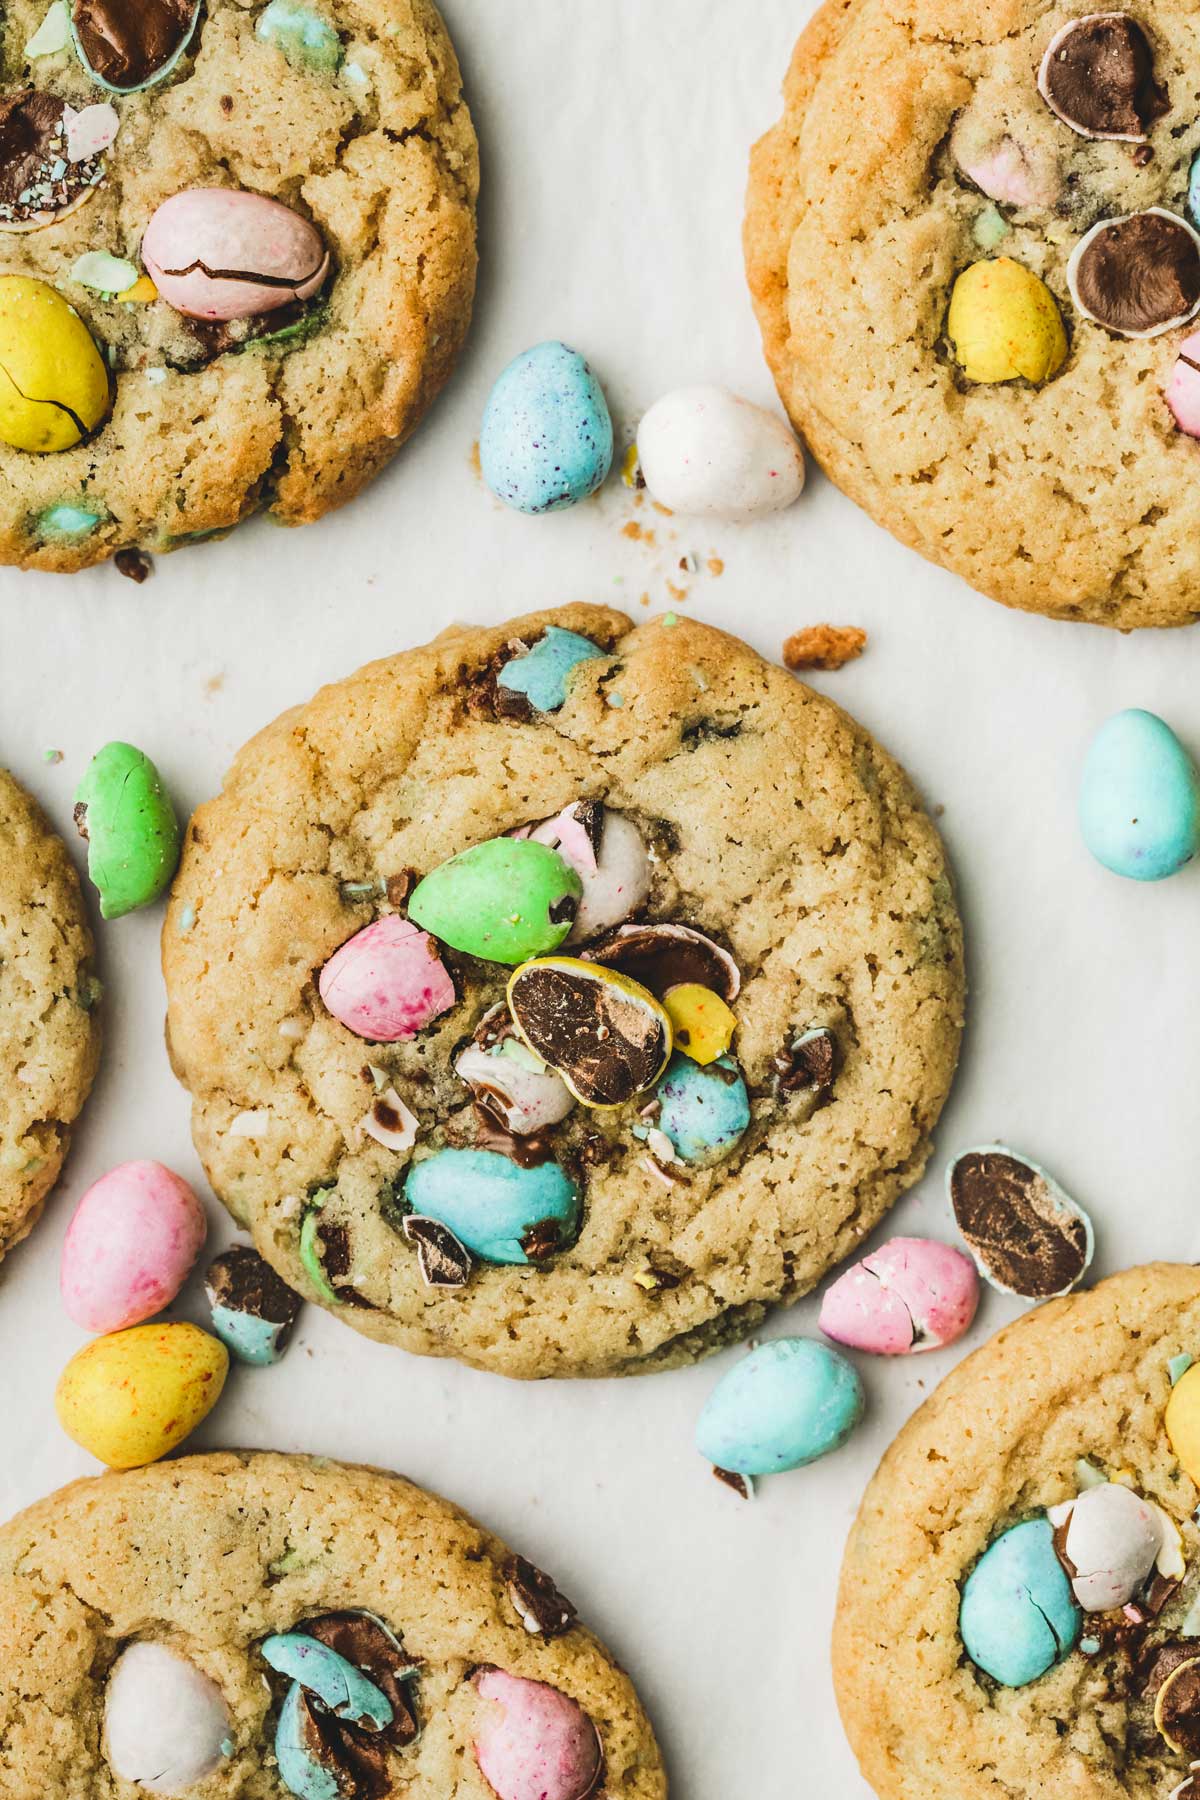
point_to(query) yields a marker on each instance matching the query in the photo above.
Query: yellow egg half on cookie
(1182, 1421)
(53, 382)
(704, 1025)
(130, 1397)
(1004, 323)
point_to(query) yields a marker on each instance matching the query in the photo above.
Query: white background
(615, 140)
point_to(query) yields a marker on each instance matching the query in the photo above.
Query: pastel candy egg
(387, 982)
(133, 1238)
(1005, 171)
(53, 381)
(66, 520)
(1139, 798)
(911, 1294)
(337, 1683)
(547, 439)
(131, 1397)
(703, 1024)
(500, 1211)
(125, 813)
(504, 900)
(1183, 386)
(1182, 1422)
(784, 1405)
(516, 1085)
(704, 1112)
(253, 1310)
(1018, 1616)
(533, 1742)
(222, 253)
(608, 854)
(165, 1721)
(1004, 323)
(707, 453)
(542, 675)
(1111, 1538)
(607, 1036)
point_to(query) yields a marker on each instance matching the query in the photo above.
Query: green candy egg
(504, 901)
(125, 813)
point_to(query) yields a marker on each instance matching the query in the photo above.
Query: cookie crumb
(134, 564)
(716, 565)
(824, 646)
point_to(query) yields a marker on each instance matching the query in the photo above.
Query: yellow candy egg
(1183, 1422)
(131, 1397)
(704, 1025)
(1004, 322)
(53, 382)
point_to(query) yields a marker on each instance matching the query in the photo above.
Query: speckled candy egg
(540, 677)
(1004, 323)
(607, 852)
(1139, 798)
(1112, 1538)
(504, 900)
(910, 1294)
(53, 382)
(547, 439)
(784, 1405)
(387, 982)
(707, 453)
(165, 1722)
(1018, 1616)
(493, 1205)
(533, 1742)
(222, 253)
(704, 1111)
(131, 1397)
(129, 1247)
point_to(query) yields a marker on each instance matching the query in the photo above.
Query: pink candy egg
(221, 253)
(387, 983)
(134, 1237)
(912, 1294)
(1183, 386)
(534, 1743)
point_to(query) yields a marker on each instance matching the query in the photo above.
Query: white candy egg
(616, 880)
(164, 1721)
(530, 1096)
(1113, 1540)
(707, 453)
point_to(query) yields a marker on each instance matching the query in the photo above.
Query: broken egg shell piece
(1137, 291)
(223, 253)
(910, 1295)
(512, 1082)
(1110, 1540)
(1094, 28)
(387, 982)
(608, 1037)
(390, 1123)
(663, 956)
(1027, 1236)
(615, 875)
(91, 131)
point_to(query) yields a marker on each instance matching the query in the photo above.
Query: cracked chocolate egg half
(1137, 275)
(127, 46)
(46, 171)
(223, 253)
(1097, 76)
(606, 1035)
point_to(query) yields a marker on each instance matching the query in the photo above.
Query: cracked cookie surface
(210, 423)
(49, 1025)
(776, 825)
(1077, 497)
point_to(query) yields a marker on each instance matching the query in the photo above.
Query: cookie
(1023, 1574)
(49, 1025)
(956, 236)
(184, 1624)
(269, 344)
(584, 1101)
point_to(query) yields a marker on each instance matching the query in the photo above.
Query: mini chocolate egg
(663, 956)
(1018, 1616)
(1137, 275)
(1177, 1708)
(1004, 324)
(1139, 798)
(1182, 392)
(787, 1403)
(222, 253)
(1097, 76)
(607, 1036)
(533, 1742)
(50, 158)
(704, 1112)
(547, 439)
(387, 982)
(253, 1309)
(501, 1210)
(607, 852)
(702, 1024)
(166, 1724)
(341, 1687)
(308, 1762)
(127, 49)
(444, 1261)
(306, 38)
(504, 900)
(1182, 1422)
(131, 1397)
(709, 454)
(130, 1246)
(125, 813)
(911, 1294)
(510, 1081)
(1027, 1236)
(808, 1063)
(53, 382)
(1109, 1541)
(537, 680)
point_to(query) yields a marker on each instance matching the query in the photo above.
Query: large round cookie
(1077, 497)
(210, 1555)
(49, 1025)
(773, 823)
(1081, 1381)
(352, 113)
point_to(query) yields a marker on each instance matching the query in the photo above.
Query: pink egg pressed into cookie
(911, 1294)
(534, 1743)
(222, 253)
(130, 1246)
(387, 983)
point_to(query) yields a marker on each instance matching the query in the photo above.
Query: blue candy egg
(1018, 1616)
(784, 1405)
(547, 438)
(541, 673)
(68, 520)
(344, 1689)
(1139, 799)
(299, 1769)
(705, 1111)
(491, 1203)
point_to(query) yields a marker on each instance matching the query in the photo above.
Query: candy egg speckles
(129, 1247)
(533, 1742)
(707, 453)
(504, 900)
(387, 983)
(704, 1112)
(222, 253)
(127, 48)
(125, 813)
(911, 1294)
(1138, 275)
(165, 1721)
(1182, 1422)
(547, 439)
(1139, 798)
(1109, 1540)
(784, 1405)
(607, 853)
(1004, 324)
(1097, 76)
(1018, 1616)
(53, 382)
(498, 1209)
(1027, 1236)
(253, 1310)
(131, 1397)
(540, 677)
(607, 1036)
